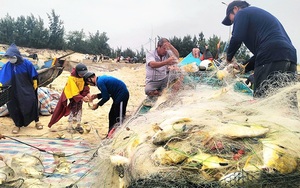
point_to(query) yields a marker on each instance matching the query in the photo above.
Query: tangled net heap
(208, 135)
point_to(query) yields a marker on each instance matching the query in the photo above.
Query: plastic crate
(4, 94)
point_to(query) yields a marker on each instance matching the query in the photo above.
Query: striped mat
(82, 173)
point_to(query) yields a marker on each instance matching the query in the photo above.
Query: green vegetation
(30, 32)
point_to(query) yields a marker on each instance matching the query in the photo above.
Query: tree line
(31, 32)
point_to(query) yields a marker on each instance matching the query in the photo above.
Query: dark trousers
(273, 75)
(116, 115)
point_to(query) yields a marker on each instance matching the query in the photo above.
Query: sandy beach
(95, 122)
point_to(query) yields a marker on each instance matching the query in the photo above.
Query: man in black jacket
(262, 33)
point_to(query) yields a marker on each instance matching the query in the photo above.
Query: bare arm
(172, 48)
(156, 64)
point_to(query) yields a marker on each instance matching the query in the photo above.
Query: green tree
(117, 52)
(177, 43)
(141, 54)
(21, 31)
(7, 30)
(76, 41)
(56, 32)
(187, 45)
(30, 32)
(128, 53)
(36, 34)
(201, 40)
(98, 44)
(212, 44)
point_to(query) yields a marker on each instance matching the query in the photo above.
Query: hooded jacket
(23, 106)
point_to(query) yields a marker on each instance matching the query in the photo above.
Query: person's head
(89, 78)
(232, 9)
(81, 69)
(162, 47)
(13, 54)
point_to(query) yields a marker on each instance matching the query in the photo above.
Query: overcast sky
(134, 23)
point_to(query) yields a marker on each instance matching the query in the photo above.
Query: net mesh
(231, 140)
(202, 132)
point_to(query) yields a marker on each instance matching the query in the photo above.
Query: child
(75, 91)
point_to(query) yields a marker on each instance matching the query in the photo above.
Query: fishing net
(205, 132)
(202, 132)
(275, 81)
(36, 162)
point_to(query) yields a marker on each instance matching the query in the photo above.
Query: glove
(35, 85)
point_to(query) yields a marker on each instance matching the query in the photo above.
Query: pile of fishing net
(205, 135)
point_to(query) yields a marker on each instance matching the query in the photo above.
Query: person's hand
(85, 99)
(95, 96)
(171, 60)
(167, 45)
(174, 67)
(92, 97)
(233, 68)
(196, 52)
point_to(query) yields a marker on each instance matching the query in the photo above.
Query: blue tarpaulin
(190, 59)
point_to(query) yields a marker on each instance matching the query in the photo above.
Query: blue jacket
(263, 35)
(111, 87)
(23, 106)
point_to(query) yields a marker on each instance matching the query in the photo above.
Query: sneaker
(38, 126)
(79, 129)
(16, 130)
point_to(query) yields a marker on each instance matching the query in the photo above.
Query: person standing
(264, 35)
(158, 65)
(71, 100)
(110, 87)
(23, 78)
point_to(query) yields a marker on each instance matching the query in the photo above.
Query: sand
(94, 121)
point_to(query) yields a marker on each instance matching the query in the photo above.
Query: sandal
(79, 129)
(38, 126)
(16, 130)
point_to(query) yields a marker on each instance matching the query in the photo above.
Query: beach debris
(28, 165)
(62, 165)
(87, 128)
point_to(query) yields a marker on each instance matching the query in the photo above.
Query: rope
(51, 153)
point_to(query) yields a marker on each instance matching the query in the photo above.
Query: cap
(242, 4)
(81, 69)
(88, 75)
